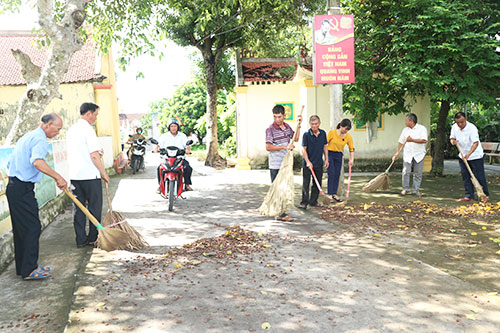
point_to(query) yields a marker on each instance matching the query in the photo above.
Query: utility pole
(336, 113)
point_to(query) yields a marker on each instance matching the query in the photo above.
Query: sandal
(285, 218)
(465, 199)
(404, 192)
(38, 274)
(44, 268)
(336, 198)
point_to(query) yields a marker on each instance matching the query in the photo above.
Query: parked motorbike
(172, 173)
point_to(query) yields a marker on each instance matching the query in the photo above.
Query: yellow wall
(108, 122)
(255, 102)
(74, 94)
(255, 114)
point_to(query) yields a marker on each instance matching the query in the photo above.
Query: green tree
(414, 47)
(212, 26)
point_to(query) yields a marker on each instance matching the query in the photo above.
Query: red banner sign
(333, 60)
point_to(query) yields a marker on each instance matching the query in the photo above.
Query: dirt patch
(463, 241)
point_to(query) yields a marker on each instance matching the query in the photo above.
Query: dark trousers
(89, 193)
(306, 184)
(188, 171)
(477, 167)
(26, 225)
(335, 165)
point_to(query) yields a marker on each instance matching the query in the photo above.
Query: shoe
(404, 192)
(336, 198)
(465, 199)
(188, 188)
(38, 274)
(158, 191)
(418, 194)
(285, 218)
(317, 204)
(303, 206)
(82, 245)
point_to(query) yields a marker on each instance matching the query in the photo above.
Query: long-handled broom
(325, 200)
(107, 239)
(113, 218)
(382, 181)
(475, 182)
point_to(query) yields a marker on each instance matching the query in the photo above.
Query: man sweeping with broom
(314, 147)
(86, 170)
(278, 137)
(465, 136)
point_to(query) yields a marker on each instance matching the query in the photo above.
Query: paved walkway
(308, 278)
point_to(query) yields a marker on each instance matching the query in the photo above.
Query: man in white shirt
(466, 135)
(413, 138)
(175, 138)
(85, 171)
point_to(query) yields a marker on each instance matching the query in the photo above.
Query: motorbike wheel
(135, 166)
(172, 193)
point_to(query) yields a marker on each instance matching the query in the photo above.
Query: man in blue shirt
(25, 166)
(314, 147)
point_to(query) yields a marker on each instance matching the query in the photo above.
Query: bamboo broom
(113, 218)
(475, 182)
(107, 239)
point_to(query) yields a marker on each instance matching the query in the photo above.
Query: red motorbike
(172, 174)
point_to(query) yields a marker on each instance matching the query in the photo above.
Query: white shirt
(466, 138)
(413, 150)
(82, 141)
(167, 139)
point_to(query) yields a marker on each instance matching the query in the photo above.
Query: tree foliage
(212, 26)
(415, 47)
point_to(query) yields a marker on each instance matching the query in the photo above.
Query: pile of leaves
(235, 241)
(478, 210)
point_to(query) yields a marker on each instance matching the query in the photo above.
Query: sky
(134, 95)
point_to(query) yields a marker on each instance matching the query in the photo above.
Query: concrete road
(306, 277)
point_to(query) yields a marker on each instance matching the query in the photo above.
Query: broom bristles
(136, 241)
(280, 196)
(111, 239)
(381, 182)
(479, 188)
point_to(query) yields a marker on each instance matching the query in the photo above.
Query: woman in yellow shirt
(337, 139)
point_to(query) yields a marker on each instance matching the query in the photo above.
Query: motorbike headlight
(171, 152)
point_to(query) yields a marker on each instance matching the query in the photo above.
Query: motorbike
(137, 156)
(172, 173)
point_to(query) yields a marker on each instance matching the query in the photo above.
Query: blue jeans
(477, 167)
(335, 160)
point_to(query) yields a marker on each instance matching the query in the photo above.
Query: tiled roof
(81, 68)
(268, 71)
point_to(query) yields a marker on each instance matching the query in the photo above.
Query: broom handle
(349, 182)
(316, 181)
(109, 198)
(465, 162)
(84, 210)
(399, 150)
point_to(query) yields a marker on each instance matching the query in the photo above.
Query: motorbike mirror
(189, 142)
(153, 141)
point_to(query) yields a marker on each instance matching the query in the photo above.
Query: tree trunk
(213, 156)
(43, 83)
(438, 155)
